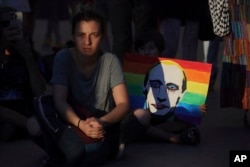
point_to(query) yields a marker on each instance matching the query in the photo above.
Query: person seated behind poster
(20, 78)
(164, 86)
(149, 43)
(90, 96)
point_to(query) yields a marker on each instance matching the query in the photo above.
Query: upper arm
(60, 93)
(120, 94)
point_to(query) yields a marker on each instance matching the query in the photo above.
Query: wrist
(104, 122)
(78, 123)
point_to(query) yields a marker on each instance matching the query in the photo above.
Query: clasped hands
(92, 127)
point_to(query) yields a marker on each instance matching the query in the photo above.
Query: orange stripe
(197, 76)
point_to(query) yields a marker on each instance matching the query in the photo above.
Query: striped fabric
(235, 79)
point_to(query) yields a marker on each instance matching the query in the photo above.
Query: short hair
(88, 15)
(153, 35)
(184, 81)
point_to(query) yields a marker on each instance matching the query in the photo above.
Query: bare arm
(88, 127)
(65, 110)
(122, 106)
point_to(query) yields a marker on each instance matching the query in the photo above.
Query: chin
(89, 54)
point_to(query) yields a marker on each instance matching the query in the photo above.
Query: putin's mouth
(160, 106)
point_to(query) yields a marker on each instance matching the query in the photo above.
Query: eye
(80, 34)
(95, 35)
(172, 87)
(155, 84)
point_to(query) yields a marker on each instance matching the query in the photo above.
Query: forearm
(67, 113)
(116, 115)
(37, 82)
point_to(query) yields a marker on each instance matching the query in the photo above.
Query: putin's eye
(155, 83)
(172, 87)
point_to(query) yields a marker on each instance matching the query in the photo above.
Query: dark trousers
(121, 14)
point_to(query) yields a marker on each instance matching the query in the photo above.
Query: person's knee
(33, 127)
(143, 116)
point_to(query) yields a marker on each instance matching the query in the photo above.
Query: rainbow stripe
(197, 73)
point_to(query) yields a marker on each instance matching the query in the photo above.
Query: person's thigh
(144, 17)
(120, 17)
(170, 28)
(190, 40)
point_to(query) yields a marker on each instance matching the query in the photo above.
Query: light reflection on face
(87, 37)
(164, 88)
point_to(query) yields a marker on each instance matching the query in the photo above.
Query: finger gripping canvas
(167, 87)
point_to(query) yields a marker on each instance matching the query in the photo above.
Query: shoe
(190, 136)
(120, 151)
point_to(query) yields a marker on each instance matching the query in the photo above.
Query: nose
(162, 94)
(87, 40)
(161, 99)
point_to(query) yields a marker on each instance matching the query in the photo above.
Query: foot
(190, 136)
(120, 151)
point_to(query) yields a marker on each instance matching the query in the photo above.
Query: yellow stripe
(199, 88)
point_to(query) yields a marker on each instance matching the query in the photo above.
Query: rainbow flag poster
(167, 86)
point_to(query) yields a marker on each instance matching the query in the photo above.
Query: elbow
(125, 108)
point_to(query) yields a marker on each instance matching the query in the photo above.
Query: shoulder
(110, 58)
(109, 55)
(63, 55)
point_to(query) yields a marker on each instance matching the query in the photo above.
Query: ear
(182, 94)
(177, 101)
(145, 90)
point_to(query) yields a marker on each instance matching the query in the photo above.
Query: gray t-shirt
(94, 92)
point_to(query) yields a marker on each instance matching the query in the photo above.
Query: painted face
(87, 37)
(164, 88)
(149, 49)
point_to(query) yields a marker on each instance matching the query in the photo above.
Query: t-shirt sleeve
(60, 68)
(117, 75)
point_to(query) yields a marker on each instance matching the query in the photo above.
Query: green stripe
(193, 98)
(135, 79)
(135, 90)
